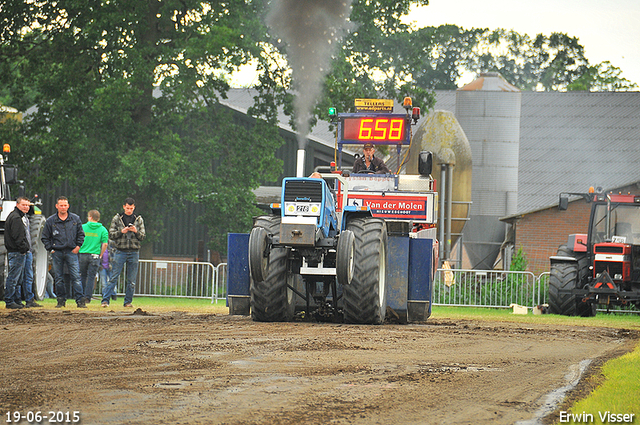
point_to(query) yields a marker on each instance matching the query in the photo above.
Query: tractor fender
(351, 212)
(562, 259)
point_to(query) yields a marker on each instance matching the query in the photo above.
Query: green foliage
(602, 77)
(371, 62)
(234, 164)
(119, 86)
(519, 261)
(437, 57)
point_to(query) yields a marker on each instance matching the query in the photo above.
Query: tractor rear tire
(272, 300)
(40, 257)
(566, 277)
(365, 299)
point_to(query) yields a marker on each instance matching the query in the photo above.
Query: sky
(608, 30)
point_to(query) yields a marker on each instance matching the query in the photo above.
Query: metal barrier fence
(220, 282)
(452, 287)
(188, 279)
(487, 288)
(496, 288)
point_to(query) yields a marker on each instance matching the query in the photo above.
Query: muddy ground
(116, 367)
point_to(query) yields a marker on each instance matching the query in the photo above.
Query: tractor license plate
(302, 208)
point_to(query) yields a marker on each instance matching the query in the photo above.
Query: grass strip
(619, 395)
(151, 305)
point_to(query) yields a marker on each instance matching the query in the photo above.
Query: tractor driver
(368, 163)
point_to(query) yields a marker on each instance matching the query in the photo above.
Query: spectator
(96, 237)
(127, 231)
(105, 269)
(63, 236)
(17, 240)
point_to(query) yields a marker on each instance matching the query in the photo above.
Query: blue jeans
(58, 260)
(88, 270)
(14, 275)
(130, 258)
(50, 292)
(104, 280)
(27, 279)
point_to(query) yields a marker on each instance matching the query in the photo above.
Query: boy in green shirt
(91, 252)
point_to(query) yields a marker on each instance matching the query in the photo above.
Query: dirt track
(118, 367)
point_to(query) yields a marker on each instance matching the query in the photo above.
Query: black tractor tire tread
(361, 298)
(269, 298)
(257, 245)
(344, 257)
(565, 277)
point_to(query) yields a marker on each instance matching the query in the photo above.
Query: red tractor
(603, 266)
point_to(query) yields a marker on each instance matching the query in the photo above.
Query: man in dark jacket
(368, 163)
(18, 243)
(63, 236)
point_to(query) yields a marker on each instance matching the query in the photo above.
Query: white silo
(488, 109)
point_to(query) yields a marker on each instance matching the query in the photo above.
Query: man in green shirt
(91, 252)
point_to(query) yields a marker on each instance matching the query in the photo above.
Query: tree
(118, 85)
(554, 62)
(439, 56)
(602, 77)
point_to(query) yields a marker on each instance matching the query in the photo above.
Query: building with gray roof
(570, 141)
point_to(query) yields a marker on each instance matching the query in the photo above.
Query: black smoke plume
(312, 30)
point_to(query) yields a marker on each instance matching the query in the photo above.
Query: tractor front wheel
(345, 257)
(272, 299)
(258, 260)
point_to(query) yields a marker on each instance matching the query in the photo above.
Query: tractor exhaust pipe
(300, 163)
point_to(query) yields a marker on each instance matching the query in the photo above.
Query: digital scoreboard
(386, 129)
(374, 129)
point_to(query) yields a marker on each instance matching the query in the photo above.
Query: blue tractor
(336, 261)
(344, 247)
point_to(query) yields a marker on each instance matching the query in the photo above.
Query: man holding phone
(127, 231)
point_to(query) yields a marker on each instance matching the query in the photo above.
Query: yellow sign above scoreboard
(374, 105)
